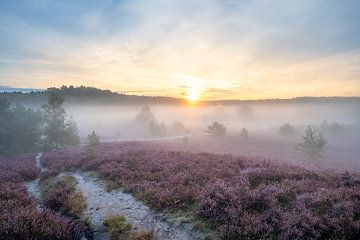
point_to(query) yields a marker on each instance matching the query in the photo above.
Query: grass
(119, 229)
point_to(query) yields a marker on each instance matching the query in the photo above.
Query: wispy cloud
(241, 49)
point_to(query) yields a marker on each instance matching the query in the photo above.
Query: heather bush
(239, 197)
(19, 217)
(60, 195)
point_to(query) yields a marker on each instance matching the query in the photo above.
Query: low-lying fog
(262, 122)
(110, 121)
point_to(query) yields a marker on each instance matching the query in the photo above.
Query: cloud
(239, 48)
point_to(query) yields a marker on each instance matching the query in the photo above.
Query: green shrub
(287, 130)
(93, 139)
(118, 229)
(216, 129)
(312, 143)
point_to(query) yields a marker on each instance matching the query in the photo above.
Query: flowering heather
(19, 217)
(60, 195)
(242, 198)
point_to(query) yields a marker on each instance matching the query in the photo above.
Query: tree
(93, 139)
(312, 143)
(156, 129)
(145, 116)
(59, 129)
(178, 126)
(216, 129)
(20, 129)
(287, 130)
(334, 128)
(244, 133)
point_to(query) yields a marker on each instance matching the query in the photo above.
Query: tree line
(23, 129)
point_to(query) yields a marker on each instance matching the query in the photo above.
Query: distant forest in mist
(87, 95)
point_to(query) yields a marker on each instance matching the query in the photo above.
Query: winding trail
(101, 203)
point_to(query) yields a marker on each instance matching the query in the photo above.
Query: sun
(192, 98)
(194, 88)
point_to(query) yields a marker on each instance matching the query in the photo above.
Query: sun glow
(194, 88)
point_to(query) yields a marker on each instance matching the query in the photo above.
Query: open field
(236, 197)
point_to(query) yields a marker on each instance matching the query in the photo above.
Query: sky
(195, 49)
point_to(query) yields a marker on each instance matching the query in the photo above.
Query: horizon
(9, 89)
(194, 50)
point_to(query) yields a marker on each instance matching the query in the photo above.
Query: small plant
(117, 227)
(120, 230)
(312, 143)
(216, 129)
(244, 133)
(93, 139)
(287, 130)
(144, 235)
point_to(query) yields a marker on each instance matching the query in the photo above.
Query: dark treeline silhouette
(23, 129)
(86, 95)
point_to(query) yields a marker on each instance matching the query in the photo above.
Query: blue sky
(210, 49)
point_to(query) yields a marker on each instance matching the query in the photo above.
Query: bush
(244, 133)
(287, 130)
(312, 143)
(240, 198)
(93, 139)
(333, 128)
(145, 116)
(156, 129)
(178, 126)
(19, 216)
(216, 129)
(117, 227)
(120, 230)
(60, 195)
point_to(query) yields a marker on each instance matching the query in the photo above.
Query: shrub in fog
(312, 142)
(59, 129)
(244, 133)
(333, 128)
(156, 129)
(245, 111)
(216, 129)
(178, 126)
(287, 130)
(145, 116)
(93, 139)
